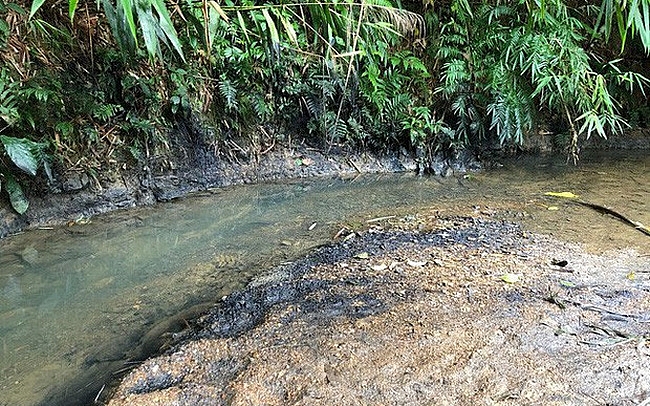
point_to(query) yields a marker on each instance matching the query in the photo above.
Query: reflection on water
(74, 300)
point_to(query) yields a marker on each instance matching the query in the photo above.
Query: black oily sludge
(244, 310)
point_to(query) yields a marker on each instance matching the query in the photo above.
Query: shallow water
(74, 300)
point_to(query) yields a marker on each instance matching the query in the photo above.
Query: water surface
(74, 300)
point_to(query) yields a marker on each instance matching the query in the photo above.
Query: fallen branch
(606, 210)
(601, 209)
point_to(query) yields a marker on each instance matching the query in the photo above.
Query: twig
(354, 165)
(600, 309)
(606, 210)
(380, 219)
(99, 393)
(341, 231)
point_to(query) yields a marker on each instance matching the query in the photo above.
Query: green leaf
(273, 31)
(20, 152)
(72, 7)
(167, 26)
(16, 196)
(127, 8)
(288, 28)
(36, 4)
(149, 25)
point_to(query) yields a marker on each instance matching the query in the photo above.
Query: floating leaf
(552, 208)
(363, 255)
(510, 277)
(567, 195)
(631, 275)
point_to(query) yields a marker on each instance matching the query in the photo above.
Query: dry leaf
(510, 277)
(416, 264)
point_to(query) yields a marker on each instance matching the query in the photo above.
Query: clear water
(74, 300)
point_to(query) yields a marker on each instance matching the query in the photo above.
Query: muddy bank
(192, 164)
(419, 310)
(195, 166)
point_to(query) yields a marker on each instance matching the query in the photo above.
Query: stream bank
(81, 303)
(421, 309)
(192, 165)
(191, 168)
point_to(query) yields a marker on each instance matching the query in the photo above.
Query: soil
(422, 309)
(194, 165)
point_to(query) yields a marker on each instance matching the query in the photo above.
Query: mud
(417, 310)
(195, 166)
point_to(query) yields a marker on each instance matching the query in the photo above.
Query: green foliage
(503, 64)
(23, 153)
(26, 155)
(151, 17)
(456, 72)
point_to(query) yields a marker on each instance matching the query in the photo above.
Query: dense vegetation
(97, 85)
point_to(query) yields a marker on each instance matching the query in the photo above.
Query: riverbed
(78, 300)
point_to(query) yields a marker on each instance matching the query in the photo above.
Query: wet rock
(75, 181)
(155, 378)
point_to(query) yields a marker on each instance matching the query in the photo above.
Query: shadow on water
(78, 303)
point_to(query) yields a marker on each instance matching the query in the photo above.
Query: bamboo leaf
(148, 26)
(167, 26)
(288, 28)
(219, 10)
(36, 4)
(72, 6)
(127, 9)
(273, 31)
(242, 25)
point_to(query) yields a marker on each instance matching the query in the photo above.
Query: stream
(76, 301)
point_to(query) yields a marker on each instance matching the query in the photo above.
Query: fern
(229, 94)
(104, 112)
(8, 102)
